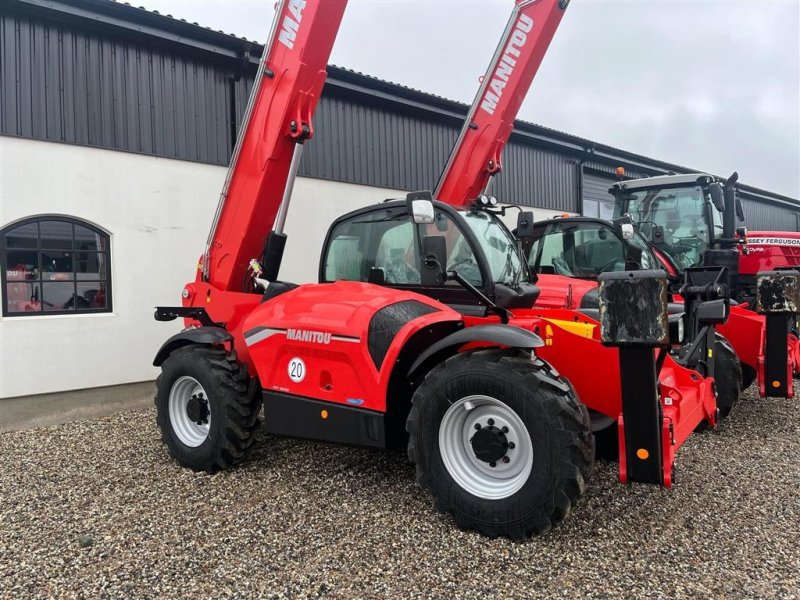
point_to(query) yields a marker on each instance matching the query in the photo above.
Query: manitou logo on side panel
(291, 23)
(304, 335)
(507, 63)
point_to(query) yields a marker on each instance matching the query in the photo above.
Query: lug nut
(492, 464)
(478, 426)
(511, 445)
(491, 422)
(504, 429)
(506, 459)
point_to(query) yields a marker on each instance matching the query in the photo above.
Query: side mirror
(434, 259)
(717, 196)
(524, 224)
(739, 209)
(420, 207)
(624, 227)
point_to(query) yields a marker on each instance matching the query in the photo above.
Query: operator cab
(383, 244)
(676, 213)
(583, 247)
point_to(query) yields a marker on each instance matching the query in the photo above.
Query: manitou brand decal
(507, 63)
(291, 23)
(259, 334)
(304, 335)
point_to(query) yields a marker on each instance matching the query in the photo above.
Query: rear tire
(207, 416)
(748, 376)
(547, 439)
(727, 374)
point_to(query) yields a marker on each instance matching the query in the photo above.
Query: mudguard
(197, 335)
(504, 335)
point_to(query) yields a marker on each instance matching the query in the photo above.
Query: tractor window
(500, 248)
(377, 246)
(680, 213)
(460, 254)
(578, 250)
(54, 265)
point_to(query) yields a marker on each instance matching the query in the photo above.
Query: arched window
(54, 265)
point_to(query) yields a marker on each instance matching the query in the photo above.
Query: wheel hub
(489, 443)
(197, 409)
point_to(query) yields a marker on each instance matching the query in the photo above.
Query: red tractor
(422, 331)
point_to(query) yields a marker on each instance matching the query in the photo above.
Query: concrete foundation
(26, 412)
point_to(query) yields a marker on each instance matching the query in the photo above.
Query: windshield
(680, 214)
(584, 249)
(498, 245)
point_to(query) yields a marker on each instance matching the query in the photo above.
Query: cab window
(460, 254)
(377, 246)
(577, 250)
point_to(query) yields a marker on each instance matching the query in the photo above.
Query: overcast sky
(713, 85)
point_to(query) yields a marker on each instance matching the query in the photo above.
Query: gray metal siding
(596, 188)
(123, 90)
(359, 143)
(535, 177)
(760, 216)
(61, 84)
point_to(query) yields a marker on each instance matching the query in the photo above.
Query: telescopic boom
(277, 121)
(476, 156)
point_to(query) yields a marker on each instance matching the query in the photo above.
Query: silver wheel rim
(472, 474)
(189, 432)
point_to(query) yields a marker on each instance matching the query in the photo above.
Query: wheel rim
(481, 425)
(189, 411)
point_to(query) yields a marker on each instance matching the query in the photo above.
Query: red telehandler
(759, 343)
(420, 332)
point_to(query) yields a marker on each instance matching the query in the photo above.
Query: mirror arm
(503, 313)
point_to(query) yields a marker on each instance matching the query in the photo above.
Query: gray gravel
(97, 509)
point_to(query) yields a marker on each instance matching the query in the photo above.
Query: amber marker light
(642, 454)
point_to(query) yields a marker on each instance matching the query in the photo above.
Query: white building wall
(158, 212)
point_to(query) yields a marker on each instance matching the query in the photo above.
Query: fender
(198, 335)
(503, 335)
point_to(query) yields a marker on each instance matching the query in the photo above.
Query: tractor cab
(681, 215)
(466, 258)
(584, 248)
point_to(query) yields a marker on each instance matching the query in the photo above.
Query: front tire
(207, 415)
(501, 442)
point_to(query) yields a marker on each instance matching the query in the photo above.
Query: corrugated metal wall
(760, 216)
(61, 84)
(536, 177)
(65, 83)
(364, 144)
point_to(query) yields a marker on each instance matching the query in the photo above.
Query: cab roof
(662, 181)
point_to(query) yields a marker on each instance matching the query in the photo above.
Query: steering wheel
(609, 265)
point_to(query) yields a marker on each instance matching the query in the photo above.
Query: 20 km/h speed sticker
(297, 370)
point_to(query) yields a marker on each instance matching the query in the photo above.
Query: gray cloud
(710, 85)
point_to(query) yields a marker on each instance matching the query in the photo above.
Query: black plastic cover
(385, 324)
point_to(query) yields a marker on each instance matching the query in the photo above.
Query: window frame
(107, 280)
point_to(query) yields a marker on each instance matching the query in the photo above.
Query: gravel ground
(97, 509)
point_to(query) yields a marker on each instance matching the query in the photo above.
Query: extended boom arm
(476, 156)
(277, 121)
